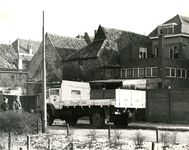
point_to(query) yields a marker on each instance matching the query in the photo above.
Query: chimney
(161, 45)
(19, 62)
(18, 45)
(29, 47)
(87, 38)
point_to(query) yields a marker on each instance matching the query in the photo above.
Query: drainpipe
(161, 55)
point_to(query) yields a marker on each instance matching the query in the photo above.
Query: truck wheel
(97, 118)
(50, 119)
(72, 121)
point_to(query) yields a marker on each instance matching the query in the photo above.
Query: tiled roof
(23, 45)
(185, 24)
(8, 57)
(26, 57)
(107, 44)
(66, 45)
(89, 51)
(182, 26)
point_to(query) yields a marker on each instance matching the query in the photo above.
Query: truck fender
(51, 107)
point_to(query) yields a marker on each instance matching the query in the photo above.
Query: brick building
(166, 64)
(101, 58)
(11, 78)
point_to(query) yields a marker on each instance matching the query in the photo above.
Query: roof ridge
(124, 31)
(64, 36)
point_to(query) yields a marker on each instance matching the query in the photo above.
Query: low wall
(169, 106)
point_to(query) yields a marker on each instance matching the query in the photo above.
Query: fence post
(157, 135)
(37, 127)
(9, 142)
(109, 127)
(28, 142)
(68, 130)
(49, 144)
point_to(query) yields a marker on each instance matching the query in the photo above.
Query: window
(173, 51)
(142, 52)
(181, 73)
(54, 92)
(138, 72)
(170, 72)
(166, 29)
(156, 51)
(151, 72)
(126, 73)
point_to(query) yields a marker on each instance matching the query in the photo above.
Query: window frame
(171, 68)
(143, 50)
(138, 72)
(156, 51)
(151, 71)
(172, 51)
(126, 73)
(181, 76)
(168, 27)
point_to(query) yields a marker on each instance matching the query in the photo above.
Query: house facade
(165, 65)
(12, 79)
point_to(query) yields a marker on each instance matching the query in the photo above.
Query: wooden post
(28, 142)
(68, 130)
(109, 127)
(157, 135)
(37, 127)
(9, 142)
(49, 144)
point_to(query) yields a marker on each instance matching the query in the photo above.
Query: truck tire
(50, 119)
(97, 118)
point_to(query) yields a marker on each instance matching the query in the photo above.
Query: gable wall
(89, 70)
(53, 65)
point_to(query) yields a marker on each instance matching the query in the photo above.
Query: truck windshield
(54, 92)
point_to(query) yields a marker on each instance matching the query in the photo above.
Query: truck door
(54, 97)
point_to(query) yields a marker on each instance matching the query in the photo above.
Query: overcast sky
(23, 18)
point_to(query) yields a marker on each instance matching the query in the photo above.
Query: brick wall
(13, 79)
(168, 106)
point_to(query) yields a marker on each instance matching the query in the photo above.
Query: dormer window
(166, 29)
(142, 52)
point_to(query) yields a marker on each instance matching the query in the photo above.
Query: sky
(24, 18)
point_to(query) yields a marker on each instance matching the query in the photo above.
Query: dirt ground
(84, 137)
(180, 131)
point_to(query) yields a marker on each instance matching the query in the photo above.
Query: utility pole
(44, 107)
